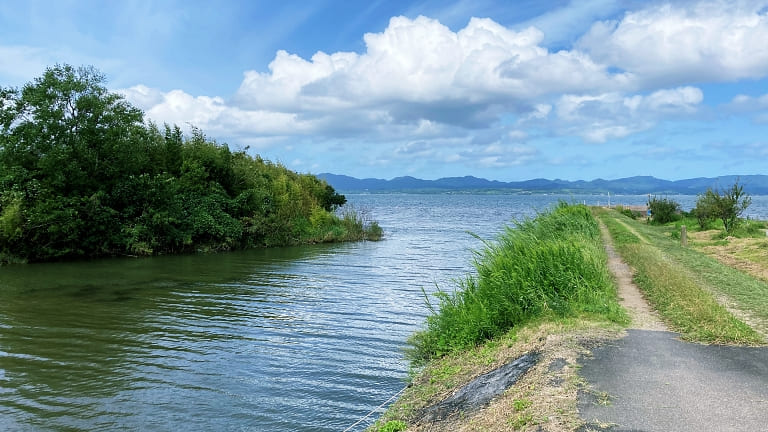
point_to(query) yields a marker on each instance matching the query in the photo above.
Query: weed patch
(550, 266)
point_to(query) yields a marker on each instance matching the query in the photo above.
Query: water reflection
(293, 339)
(83, 342)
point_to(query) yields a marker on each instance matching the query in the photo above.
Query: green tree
(727, 205)
(81, 174)
(706, 209)
(65, 141)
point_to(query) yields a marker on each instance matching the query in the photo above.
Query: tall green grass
(553, 265)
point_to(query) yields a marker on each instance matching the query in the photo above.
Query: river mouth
(290, 339)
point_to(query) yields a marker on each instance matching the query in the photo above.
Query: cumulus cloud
(212, 114)
(419, 66)
(417, 77)
(426, 90)
(677, 43)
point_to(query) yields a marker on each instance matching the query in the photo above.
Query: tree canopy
(82, 174)
(726, 205)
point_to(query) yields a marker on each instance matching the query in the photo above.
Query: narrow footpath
(650, 380)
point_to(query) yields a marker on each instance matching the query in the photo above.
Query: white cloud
(565, 23)
(517, 135)
(744, 103)
(501, 155)
(212, 114)
(142, 96)
(417, 78)
(422, 63)
(678, 43)
(745, 151)
(418, 84)
(756, 107)
(599, 118)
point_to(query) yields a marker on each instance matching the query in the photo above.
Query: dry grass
(749, 255)
(544, 399)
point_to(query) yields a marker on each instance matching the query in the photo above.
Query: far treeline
(82, 174)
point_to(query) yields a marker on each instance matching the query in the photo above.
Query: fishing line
(377, 408)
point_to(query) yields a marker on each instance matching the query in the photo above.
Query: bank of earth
(675, 302)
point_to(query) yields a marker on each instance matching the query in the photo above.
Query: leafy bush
(727, 205)
(663, 210)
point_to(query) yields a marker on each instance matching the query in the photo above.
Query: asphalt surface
(652, 381)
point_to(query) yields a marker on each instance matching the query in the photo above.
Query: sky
(500, 89)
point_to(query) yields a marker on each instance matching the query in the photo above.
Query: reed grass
(553, 265)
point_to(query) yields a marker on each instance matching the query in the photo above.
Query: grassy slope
(553, 265)
(673, 278)
(684, 285)
(539, 287)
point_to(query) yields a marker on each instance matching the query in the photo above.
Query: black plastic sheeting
(480, 391)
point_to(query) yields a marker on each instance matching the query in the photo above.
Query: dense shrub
(82, 175)
(663, 210)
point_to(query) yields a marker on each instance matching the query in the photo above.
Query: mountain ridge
(753, 184)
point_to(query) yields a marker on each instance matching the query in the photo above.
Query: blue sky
(505, 90)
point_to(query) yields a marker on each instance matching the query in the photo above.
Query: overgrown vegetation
(553, 265)
(663, 210)
(727, 205)
(628, 212)
(83, 175)
(681, 284)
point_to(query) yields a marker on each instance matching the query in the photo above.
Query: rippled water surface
(290, 339)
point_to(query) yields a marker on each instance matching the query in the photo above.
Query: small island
(83, 174)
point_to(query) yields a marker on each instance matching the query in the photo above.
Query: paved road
(652, 381)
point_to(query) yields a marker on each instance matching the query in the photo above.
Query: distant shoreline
(641, 185)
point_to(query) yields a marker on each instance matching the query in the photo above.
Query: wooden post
(683, 236)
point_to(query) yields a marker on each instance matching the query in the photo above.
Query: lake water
(289, 339)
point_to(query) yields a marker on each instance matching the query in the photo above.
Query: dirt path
(643, 317)
(632, 230)
(650, 380)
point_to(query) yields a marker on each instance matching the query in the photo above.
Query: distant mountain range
(753, 185)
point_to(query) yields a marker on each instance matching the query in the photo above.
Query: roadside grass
(551, 266)
(684, 285)
(749, 255)
(541, 286)
(718, 270)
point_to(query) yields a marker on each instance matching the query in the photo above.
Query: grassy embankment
(687, 287)
(542, 281)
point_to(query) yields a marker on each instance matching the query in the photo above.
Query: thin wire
(377, 408)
